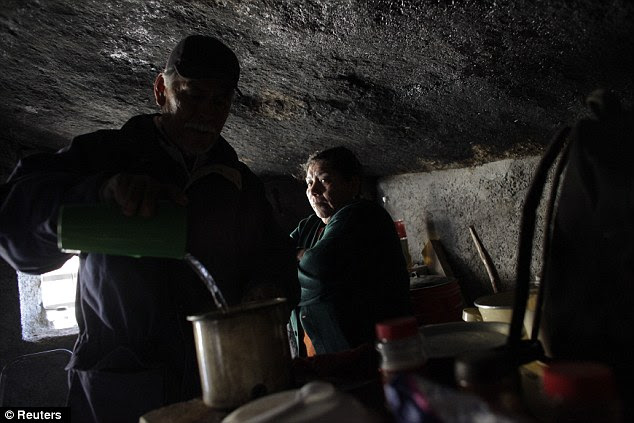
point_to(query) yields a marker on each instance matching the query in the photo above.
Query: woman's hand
(300, 253)
(138, 194)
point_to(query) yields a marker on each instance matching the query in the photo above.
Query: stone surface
(410, 85)
(442, 204)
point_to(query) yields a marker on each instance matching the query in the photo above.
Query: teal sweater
(352, 276)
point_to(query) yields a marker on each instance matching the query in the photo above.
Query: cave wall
(443, 204)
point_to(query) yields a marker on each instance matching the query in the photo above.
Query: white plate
(455, 338)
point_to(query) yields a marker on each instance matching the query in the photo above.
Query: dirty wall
(443, 204)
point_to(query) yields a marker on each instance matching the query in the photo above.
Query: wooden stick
(486, 259)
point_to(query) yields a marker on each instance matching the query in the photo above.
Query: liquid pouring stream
(209, 281)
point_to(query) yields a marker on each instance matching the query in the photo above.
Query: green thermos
(103, 228)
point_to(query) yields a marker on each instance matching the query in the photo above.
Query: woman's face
(328, 190)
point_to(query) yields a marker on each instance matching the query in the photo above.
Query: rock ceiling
(410, 85)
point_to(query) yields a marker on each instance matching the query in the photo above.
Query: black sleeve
(30, 201)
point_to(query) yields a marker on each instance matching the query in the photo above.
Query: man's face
(328, 190)
(195, 111)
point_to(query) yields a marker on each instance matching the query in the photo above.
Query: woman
(351, 267)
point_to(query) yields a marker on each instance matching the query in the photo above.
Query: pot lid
(314, 402)
(427, 281)
(500, 300)
(456, 338)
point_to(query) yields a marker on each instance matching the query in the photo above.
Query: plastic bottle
(401, 346)
(582, 392)
(399, 224)
(103, 228)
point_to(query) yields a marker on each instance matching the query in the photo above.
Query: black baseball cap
(204, 57)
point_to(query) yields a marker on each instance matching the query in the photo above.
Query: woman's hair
(340, 159)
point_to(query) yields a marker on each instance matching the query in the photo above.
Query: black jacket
(132, 311)
(352, 276)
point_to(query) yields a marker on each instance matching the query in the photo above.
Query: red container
(438, 303)
(400, 229)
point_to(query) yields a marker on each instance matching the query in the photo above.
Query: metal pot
(436, 299)
(243, 353)
(499, 308)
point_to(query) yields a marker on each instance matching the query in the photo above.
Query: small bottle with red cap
(582, 392)
(401, 346)
(399, 225)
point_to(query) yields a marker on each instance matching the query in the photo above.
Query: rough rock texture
(410, 85)
(443, 204)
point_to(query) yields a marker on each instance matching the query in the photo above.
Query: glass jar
(492, 375)
(400, 344)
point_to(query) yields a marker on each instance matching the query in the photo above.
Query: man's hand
(138, 194)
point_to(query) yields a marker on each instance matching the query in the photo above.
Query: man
(135, 350)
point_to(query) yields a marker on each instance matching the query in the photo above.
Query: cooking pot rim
(238, 309)
(500, 300)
